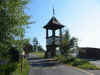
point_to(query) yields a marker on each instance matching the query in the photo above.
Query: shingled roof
(53, 24)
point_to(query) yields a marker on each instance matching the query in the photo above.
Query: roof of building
(53, 24)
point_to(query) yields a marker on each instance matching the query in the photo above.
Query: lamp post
(22, 60)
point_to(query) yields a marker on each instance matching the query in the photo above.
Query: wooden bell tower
(53, 41)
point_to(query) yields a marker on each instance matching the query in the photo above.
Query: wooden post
(22, 61)
(46, 53)
(61, 41)
(53, 47)
(47, 34)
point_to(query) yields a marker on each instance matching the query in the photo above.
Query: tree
(14, 54)
(20, 43)
(35, 44)
(40, 49)
(13, 22)
(65, 42)
(28, 48)
(73, 42)
(68, 43)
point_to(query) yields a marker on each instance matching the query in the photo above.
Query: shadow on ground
(42, 62)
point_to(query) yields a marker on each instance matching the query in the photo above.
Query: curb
(81, 70)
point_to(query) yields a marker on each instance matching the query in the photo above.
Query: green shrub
(60, 58)
(40, 54)
(25, 69)
(6, 69)
(69, 59)
(78, 61)
(88, 66)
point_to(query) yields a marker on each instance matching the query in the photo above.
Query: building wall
(89, 52)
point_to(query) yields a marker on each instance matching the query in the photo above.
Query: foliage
(28, 48)
(68, 43)
(6, 69)
(40, 49)
(89, 66)
(20, 43)
(35, 40)
(25, 69)
(40, 54)
(84, 64)
(69, 59)
(14, 54)
(13, 22)
(60, 58)
(65, 43)
(12, 19)
(36, 46)
(77, 62)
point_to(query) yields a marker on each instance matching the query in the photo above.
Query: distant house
(88, 52)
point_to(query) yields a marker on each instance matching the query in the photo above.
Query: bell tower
(53, 41)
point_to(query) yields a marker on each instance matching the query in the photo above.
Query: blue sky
(80, 17)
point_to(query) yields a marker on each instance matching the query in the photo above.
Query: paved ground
(47, 67)
(95, 72)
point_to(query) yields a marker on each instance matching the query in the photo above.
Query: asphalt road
(48, 67)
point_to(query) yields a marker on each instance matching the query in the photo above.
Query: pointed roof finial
(53, 12)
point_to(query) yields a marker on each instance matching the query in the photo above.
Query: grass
(40, 54)
(83, 64)
(25, 69)
(77, 62)
(88, 66)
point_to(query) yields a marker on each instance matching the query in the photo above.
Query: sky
(80, 17)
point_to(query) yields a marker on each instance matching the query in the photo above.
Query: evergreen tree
(68, 43)
(65, 43)
(13, 22)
